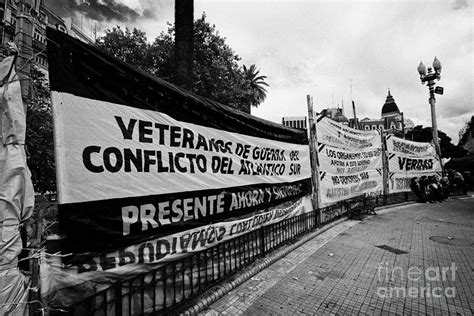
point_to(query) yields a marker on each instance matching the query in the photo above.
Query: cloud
(317, 47)
(460, 4)
(108, 10)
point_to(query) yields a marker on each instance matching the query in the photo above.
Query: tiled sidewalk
(343, 272)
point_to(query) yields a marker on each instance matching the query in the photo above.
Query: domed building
(391, 119)
(340, 118)
(390, 108)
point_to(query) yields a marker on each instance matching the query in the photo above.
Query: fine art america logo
(416, 282)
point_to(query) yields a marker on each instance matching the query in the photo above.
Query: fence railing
(173, 284)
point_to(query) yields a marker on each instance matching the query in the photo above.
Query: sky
(322, 48)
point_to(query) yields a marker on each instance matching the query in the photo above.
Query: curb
(217, 292)
(384, 207)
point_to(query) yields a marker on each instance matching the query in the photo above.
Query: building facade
(391, 120)
(298, 122)
(24, 22)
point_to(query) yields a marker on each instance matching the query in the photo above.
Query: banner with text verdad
(350, 161)
(138, 157)
(408, 159)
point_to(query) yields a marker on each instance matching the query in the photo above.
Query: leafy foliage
(216, 72)
(257, 84)
(216, 75)
(469, 131)
(423, 134)
(39, 134)
(129, 46)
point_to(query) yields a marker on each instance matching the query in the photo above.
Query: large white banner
(125, 173)
(136, 152)
(350, 161)
(335, 134)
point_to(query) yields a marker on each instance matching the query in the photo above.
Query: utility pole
(356, 124)
(313, 149)
(24, 43)
(183, 49)
(429, 78)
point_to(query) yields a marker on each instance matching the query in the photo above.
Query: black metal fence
(173, 284)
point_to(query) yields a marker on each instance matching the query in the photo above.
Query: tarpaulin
(16, 190)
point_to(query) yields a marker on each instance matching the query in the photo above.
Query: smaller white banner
(342, 161)
(336, 134)
(336, 188)
(400, 182)
(405, 147)
(411, 165)
(408, 160)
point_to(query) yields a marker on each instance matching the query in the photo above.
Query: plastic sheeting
(16, 191)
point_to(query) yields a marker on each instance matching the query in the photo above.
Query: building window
(380, 126)
(367, 127)
(374, 127)
(392, 126)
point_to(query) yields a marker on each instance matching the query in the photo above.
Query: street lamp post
(429, 78)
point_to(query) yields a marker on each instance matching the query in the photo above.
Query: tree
(257, 83)
(216, 72)
(130, 46)
(468, 133)
(423, 134)
(39, 134)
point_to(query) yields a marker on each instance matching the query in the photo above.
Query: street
(412, 259)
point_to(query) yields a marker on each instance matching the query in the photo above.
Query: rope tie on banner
(27, 61)
(43, 308)
(35, 255)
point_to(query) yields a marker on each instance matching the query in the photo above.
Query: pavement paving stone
(342, 272)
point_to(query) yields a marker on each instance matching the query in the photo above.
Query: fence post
(35, 273)
(313, 151)
(385, 175)
(118, 299)
(262, 240)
